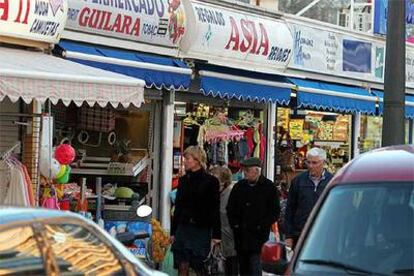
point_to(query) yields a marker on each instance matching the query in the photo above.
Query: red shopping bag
(273, 250)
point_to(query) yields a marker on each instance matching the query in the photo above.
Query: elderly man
(252, 208)
(304, 191)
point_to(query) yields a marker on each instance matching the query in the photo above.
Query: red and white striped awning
(29, 75)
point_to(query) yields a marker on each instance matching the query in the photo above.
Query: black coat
(301, 200)
(251, 211)
(198, 202)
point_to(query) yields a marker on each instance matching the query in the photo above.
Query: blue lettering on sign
(279, 54)
(73, 14)
(41, 8)
(149, 29)
(148, 7)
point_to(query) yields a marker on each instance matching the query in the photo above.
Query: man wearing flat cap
(252, 208)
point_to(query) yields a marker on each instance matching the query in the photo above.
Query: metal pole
(166, 158)
(356, 134)
(351, 15)
(270, 154)
(394, 84)
(305, 9)
(98, 191)
(156, 160)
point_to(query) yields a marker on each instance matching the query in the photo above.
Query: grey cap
(251, 162)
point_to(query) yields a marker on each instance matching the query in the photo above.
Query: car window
(369, 227)
(80, 252)
(19, 253)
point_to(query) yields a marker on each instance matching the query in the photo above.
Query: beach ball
(65, 154)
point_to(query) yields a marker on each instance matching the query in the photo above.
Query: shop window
(371, 133)
(79, 251)
(306, 129)
(227, 134)
(19, 253)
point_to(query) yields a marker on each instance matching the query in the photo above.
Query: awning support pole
(166, 158)
(270, 143)
(356, 134)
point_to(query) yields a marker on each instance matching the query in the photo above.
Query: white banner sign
(221, 33)
(33, 19)
(337, 54)
(160, 22)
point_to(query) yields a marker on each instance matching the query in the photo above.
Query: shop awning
(409, 104)
(333, 97)
(229, 83)
(34, 75)
(159, 72)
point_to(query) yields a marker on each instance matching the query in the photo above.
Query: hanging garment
(262, 144)
(16, 194)
(221, 153)
(5, 177)
(256, 139)
(243, 149)
(249, 134)
(29, 185)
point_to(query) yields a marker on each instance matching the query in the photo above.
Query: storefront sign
(329, 52)
(222, 33)
(33, 19)
(160, 22)
(341, 55)
(380, 18)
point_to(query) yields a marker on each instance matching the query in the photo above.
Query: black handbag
(214, 264)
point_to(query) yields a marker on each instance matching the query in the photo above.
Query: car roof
(16, 214)
(389, 164)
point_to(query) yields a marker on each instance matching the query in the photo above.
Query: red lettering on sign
(107, 26)
(246, 30)
(117, 25)
(19, 13)
(26, 18)
(264, 41)
(94, 19)
(249, 41)
(102, 20)
(234, 37)
(84, 17)
(135, 29)
(127, 24)
(4, 5)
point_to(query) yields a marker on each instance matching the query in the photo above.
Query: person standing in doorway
(196, 226)
(252, 208)
(225, 178)
(304, 191)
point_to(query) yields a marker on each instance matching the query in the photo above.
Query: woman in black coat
(196, 221)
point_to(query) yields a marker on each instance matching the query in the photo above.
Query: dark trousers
(232, 266)
(249, 264)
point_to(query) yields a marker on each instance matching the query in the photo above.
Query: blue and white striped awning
(227, 83)
(333, 97)
(156, 71)
(409, 104)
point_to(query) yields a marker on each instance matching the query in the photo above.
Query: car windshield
(365, 228)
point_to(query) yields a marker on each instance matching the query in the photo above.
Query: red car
(363, 223)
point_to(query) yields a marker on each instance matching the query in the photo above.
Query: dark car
(363, 223)
(45, 242)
